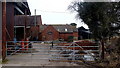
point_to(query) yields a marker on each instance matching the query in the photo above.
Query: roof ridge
(57, 24)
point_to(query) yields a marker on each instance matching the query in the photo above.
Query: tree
(101, 18)
(73, 24)
(70, 39)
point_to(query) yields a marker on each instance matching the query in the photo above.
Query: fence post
(73, 51)
(6, 48)
(102, 54)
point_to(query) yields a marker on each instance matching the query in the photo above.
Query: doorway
(19, 33)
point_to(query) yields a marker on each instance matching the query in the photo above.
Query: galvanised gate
(53, 51)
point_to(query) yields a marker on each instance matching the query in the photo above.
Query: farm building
(26, 25)
(9, 10)
(84, 33)
(58, 32)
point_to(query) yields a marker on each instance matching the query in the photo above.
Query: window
(49, 33)
(66, 30)
(58, 30)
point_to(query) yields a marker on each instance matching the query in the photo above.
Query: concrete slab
(36, 59)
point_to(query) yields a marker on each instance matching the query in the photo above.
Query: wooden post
(102, 54)
(3, 30)
(25, 25)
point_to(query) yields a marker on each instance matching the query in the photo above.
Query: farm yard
(44, 54)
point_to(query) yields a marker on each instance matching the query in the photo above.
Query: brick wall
(49, 34)
(34, 31)
(75, 34)
(65, 35)
(46, 35)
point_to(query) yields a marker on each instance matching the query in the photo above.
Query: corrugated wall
(10, 21)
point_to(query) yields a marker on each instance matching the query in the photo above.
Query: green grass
(4, 61)
(0, 62)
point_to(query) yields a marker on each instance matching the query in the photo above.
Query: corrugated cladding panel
(30, 20)
(10, 21)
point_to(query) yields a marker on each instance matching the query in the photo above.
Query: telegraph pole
(35, 18)
(3, 30)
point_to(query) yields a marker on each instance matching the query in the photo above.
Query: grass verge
(4, 61)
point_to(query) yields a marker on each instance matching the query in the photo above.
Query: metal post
(35, 17)
(25, 26)
(31, 52)
(52, 44)
(6, 48)
(73, 52)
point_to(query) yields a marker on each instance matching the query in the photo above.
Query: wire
(51, 11)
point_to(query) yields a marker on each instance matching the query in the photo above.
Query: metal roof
(61, 27)
(30, 20)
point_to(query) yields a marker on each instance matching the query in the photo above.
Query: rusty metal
(9, 21)
(0, 29)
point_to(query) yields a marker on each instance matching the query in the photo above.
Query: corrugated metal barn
(9, 10)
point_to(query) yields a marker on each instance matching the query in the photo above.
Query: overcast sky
(54, 11)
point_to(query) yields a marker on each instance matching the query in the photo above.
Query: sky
(54, 11)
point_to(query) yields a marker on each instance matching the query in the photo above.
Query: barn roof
(30, 20)
(22, 7)
(61, 27)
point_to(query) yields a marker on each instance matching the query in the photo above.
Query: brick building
(26, 25)
(57, 32)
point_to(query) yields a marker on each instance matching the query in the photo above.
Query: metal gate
(52, 51)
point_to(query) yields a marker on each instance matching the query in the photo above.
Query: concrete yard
(34, 58)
